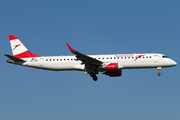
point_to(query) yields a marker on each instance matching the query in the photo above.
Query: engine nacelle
(113, 73)
(111, 66)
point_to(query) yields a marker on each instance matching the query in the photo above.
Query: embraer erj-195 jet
(110, 65)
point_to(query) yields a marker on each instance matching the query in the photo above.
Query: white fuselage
(110, 65)
(125, 61)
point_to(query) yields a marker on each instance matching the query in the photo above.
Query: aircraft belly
(63, 66)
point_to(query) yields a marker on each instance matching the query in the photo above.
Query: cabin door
(41, 61)
(155, 58)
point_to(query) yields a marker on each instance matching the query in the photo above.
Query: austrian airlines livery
(110, 65)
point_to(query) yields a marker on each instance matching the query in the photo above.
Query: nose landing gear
(158, 69)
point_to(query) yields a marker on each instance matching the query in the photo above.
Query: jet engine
(111, 66)
(113, 73)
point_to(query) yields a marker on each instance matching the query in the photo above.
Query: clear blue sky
(91, 27)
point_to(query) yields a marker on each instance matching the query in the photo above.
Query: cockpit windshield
(165, 56)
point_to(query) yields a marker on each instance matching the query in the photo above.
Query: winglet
(72, 50)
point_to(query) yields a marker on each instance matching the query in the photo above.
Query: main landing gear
(93, 75)
(158, 69)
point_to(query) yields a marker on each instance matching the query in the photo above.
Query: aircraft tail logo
(16, 46)
(139, 56)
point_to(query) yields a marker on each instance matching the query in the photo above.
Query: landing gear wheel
(158, 69)
(95, 78)
(158, 74)
(92, 74)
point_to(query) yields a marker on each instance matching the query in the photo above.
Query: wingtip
(12, 37)
(72, 50)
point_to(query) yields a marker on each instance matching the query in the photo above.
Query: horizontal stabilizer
(15, 59)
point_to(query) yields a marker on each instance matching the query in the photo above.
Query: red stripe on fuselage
(26, 54)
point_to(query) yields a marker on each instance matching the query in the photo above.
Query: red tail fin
(18, 49)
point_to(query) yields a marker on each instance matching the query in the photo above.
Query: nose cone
(174, 63)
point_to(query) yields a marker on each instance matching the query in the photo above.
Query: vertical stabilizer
(18, 49)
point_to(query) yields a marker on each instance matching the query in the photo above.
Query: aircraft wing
(87, 60)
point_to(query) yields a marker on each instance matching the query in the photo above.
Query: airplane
(111, 64)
